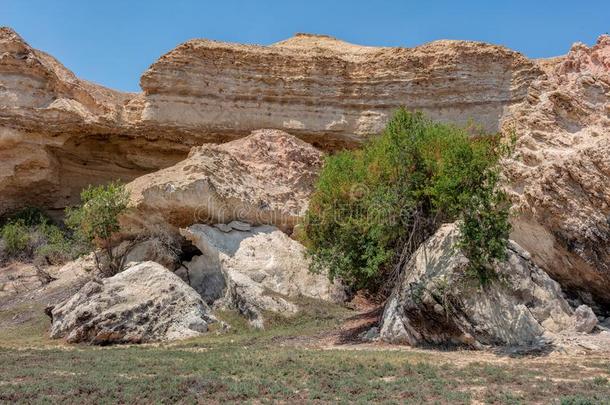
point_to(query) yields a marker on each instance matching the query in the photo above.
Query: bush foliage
(96, 221)
(373, 206)
(30, 235)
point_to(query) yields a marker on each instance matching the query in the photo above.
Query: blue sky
(112, 42)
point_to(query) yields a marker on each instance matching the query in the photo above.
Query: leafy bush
(16, 237)
(30, 235)
(374, 206)
(55, 246)
(96, 221)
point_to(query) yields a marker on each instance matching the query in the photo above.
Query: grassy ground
(290, 362)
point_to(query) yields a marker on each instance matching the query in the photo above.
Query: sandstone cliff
(59, 133)
(560, 175)
(326, 90)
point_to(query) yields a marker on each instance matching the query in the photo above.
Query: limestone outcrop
(560, 175)
(264, 178)
(437, 303)
(329, 91)
(254, 271)
(145, 303)
(59, 133)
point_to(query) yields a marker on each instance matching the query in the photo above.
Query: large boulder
(255, 270)
(438, 303)
(265, 178)
(560, 175)
(145, 303)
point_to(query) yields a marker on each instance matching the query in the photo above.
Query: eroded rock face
(262, 270)
(59, 133)
(560, 176)
(264, 178)
(145, 303)
(327, 90)
(437, 303)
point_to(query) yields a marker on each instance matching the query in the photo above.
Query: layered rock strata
(560, 174)
(59, 133)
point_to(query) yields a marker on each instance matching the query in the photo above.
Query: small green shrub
(29, 216)
(55, 245)
(96, 221)
(30, 235)
(374, 206)
(16, 238)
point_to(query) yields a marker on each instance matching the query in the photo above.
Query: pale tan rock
(61, 133)
(145, 303)
(329, 91)
(436, 302)
(560, 176)
(265, 178)
(255, 271)
(584, 319)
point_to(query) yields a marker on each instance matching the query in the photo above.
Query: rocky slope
(59, 133)
(560, 175)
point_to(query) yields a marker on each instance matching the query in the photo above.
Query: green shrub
(30, 235)
(374, 206)
(96, 221)
(16, 238)
(55, 246)
(29, 216)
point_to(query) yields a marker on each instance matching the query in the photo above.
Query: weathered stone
(436, 302)
(329, 91)
(145, 303)
(240, 226)
(265, 178)
(560, 173)
(153, 249)
(584, 319)
(58, 133)
(205, 277)
(263, 269)
(223, 227)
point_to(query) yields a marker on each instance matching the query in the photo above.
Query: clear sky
(112, 42)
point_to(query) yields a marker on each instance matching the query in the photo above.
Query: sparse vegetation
(29, 235)
(374, 206)
(96, 221)
(239, 367)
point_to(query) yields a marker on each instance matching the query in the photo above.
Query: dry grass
(290, 362)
